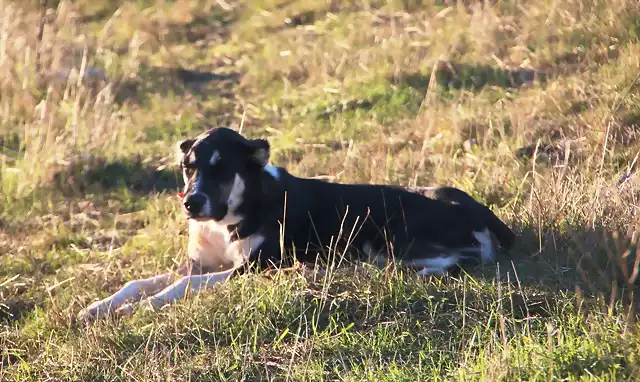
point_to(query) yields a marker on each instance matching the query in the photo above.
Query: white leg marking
(178, 289)
(434, 265)
(442, 262)
(487, 252)
(367, 248)
(132, 290)
(237, 253)
(424, 272)
(273, 171)
(374, 257)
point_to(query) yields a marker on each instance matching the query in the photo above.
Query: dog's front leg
(238, 251)
(178, 289)
(131, 291)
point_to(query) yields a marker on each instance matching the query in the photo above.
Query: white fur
(239, 251)
(208, 244)
(192, 157)
(431, 271)
(131, 291)
(245, 246)
(178, 289)
(440, 264)
(234, 200)
(487, 252)
(215, 157)
(273, 171)
(367, 248)
(374, 257)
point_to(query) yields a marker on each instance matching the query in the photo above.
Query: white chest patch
(242, 249)
(208, 245)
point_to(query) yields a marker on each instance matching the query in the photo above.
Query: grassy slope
(403, 92)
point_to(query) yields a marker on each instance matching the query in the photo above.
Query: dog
(245, 214)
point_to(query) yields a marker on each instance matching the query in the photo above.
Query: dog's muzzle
(194, 204)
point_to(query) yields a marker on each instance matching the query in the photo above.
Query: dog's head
(219, 167)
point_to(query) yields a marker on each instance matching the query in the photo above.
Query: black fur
(348, 217)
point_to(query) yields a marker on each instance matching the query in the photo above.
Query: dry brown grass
(529, 106)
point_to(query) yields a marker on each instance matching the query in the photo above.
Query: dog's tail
(504, 234)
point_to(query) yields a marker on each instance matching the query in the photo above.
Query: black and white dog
(242, 211)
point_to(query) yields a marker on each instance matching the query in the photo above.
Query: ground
(530, 106)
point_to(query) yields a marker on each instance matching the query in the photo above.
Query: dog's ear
(185, 144)
(259, 151)
(182, 148)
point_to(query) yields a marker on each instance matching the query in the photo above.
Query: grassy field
(532, 107)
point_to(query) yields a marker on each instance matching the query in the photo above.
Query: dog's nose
(194, 203)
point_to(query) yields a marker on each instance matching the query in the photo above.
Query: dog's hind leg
(439, 265)
(487, 245)
(434, 259)
(131, 291)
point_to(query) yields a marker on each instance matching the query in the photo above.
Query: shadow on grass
(173, 80)
(472, 77)
(98, 175)
(10, 147)
(176, 82)
(569, 257)
(14, 310)
(213, 25)
(590, 262)
(405, 98)
(203, 25)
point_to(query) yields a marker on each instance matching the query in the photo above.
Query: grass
(531, 107)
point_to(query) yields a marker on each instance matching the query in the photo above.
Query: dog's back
(383, 218)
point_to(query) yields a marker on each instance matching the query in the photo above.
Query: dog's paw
(125, 310)
(93, 312)
(147, 305)
(86, 316)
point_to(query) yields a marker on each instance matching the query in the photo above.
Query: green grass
(402, 92)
